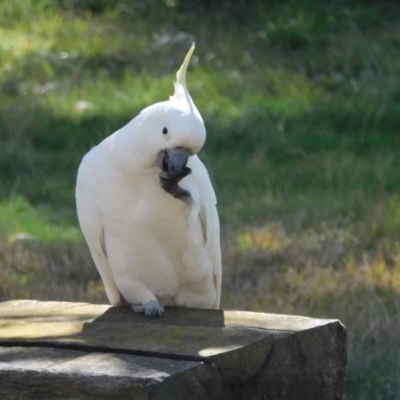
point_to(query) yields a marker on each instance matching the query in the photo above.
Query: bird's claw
(175, 176)
(173, 169)
(152, 309)
(169, 182)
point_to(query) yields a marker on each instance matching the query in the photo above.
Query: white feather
(146, 244)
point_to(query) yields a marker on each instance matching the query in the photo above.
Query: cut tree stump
(59, 350)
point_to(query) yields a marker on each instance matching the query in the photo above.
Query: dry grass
(60, 271)
(326, 272)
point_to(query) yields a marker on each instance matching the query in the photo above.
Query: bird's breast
(148, 220)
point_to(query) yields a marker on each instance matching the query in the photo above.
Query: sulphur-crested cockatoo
(155, 242)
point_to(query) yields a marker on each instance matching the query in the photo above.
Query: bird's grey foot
(152, 309)
(173, 165)
(169, 182)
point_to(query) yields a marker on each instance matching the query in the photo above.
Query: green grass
(19, 219)
(302, 108)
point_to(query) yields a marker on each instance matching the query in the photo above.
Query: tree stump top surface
(193, 334)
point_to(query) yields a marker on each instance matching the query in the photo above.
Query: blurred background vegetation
(301, 101)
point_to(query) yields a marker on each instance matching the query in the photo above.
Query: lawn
(301, 102)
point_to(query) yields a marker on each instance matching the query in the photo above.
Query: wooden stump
(53, 350)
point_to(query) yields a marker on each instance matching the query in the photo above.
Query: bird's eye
(165, 131)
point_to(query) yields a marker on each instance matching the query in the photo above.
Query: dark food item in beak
(173, 165)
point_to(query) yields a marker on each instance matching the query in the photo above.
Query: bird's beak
(173, 160)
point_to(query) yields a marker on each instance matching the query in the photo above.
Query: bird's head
(173, 130)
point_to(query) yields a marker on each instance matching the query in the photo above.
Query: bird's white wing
(91, 225)
(209, 219)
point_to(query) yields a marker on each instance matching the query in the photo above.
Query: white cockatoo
(155, 242)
